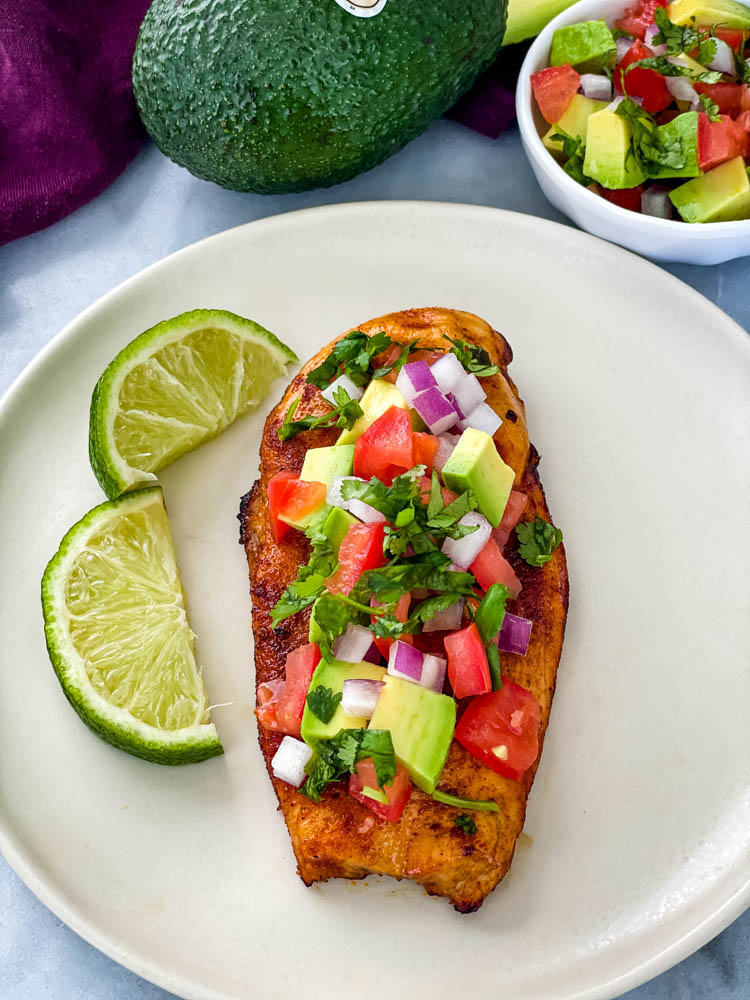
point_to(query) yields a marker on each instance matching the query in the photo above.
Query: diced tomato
(276, 489)
(511, 515)
(299, 498)
(720, 141)
(644, 83)
(398, 792)
(468, 670)
(727, 97)
(401, 613)
(492, 567)
(665, 117)
(636, 19)
(743, 121)
(629, 198)
(300, 666)
(734, 37)
(745, 99)
(386, 445)
(268, 696)
(425, 448)
(361, 549)
(554, 89)
(501, 729)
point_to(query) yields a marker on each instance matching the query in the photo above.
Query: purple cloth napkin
(490, 106)
(68, 121)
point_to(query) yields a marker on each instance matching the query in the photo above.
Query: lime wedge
(118, 635)
(174, 387)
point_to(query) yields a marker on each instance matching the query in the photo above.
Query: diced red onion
(413, 379)
(405, 661)
(342, 382)
(651, 32)
(334, 497)
(469, 393)
(290, 760)
(360, 697)
(623, 46)
(723, 61)
(365, 512)
(435, 410)
(596, 87)
(464, 551)
(655, 201)
(514, 635)
(353, 645)
(446, 621)
(681, 88)
(447, 371)
(433, 673)
(372, 655)
(446, 444)
(482, 418)
(615, 103)
(455, 404)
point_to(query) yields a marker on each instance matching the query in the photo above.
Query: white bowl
(659, 239)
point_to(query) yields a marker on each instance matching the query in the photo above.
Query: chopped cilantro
(474, 359)
(573, 151)
(711, 109)
(743, 67)
(337, 757)
(662, 65)
(490, 614)
(480, 805)
(493, 662)
(323, 703)
(537, 541)
(680, 38)
(345, 414)
(466, 823)
(650, 147)
(354, 353)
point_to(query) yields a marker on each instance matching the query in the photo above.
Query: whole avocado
(286, 95)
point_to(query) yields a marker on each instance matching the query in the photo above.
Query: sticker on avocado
(362, 8)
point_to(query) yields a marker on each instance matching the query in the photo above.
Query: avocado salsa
(653, 112)
(407, 516)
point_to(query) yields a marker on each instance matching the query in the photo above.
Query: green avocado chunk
(421, 724)
(574, 122)
(475, 464)
(378, 397)
(609, 158)
(682, 133)
(720, 195)
(336, 525)
(332, 675)
(588, 46)
(323, 465)
(719, 13)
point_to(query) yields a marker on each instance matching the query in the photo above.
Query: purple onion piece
(435, 410)
(353, 644)
(360, 696)
(514, 635)
(420, 376)
(455, 404)
(433, 673)
(405, 661)
(447, 371)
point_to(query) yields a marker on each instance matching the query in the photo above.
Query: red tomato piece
(401, 612)
(511, 515)
(636, 19)
(468, 670)
(387, 444)
(276, 489)
(501, 729)
(361, 549)
(268, 696)
(629, 198)
(298, 499)
(398, 792)
(425, 448)
(644, 83)
(554, 89)
(726, 96)
(734, 37)
(492, 567)
(720, 141)
(300, 666)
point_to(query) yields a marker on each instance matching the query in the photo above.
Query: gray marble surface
(152, 210)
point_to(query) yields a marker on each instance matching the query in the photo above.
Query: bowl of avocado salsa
(636, 121)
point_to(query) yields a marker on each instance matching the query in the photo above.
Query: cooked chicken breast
(338, 837)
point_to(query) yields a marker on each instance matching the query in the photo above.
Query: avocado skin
(276, 96)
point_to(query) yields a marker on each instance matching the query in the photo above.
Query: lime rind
(192, 425)
(114, 724)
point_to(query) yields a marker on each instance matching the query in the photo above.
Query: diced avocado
(323, 465)
(332, 675)
(683, 130)
(574, 121)
(336, 525)
(719, 195)
(421, 724)
(378, 397)
(609, 158)
(588, 46)
(475, 464)
(690, 63)
(722, 13)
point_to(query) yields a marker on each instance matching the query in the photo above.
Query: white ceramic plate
(636, 844)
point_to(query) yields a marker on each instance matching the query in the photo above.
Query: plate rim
(22, 863)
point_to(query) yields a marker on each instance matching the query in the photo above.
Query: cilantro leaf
(435, 503)
(481, 805)
(662, 65)
(711, 109)
(345, 413)
(310, 580)
(573, 151)
(453, 512)
(474, 359)
(466, 823)
(490, 614)
(743, 68)
(332, 616)
(337, 757)
(399, 363)
(323, 703)
(537, 541)
(493, 662)
(650, 147)
(354, 355)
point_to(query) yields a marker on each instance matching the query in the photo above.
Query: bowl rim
(532, 141)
